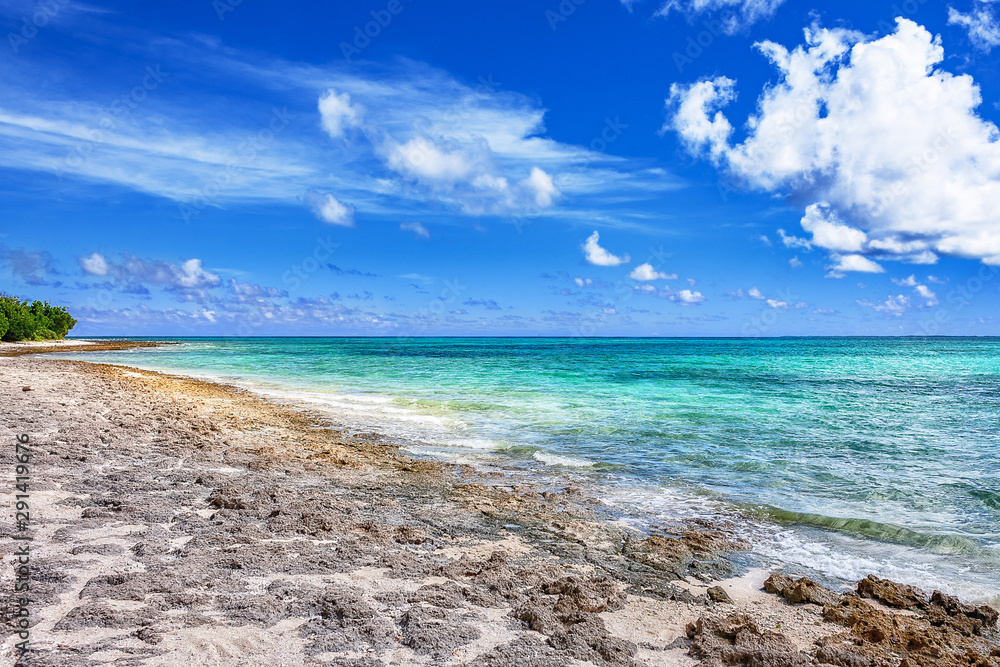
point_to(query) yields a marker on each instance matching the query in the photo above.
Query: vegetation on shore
(32, 320)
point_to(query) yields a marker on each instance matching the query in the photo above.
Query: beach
(177, 521)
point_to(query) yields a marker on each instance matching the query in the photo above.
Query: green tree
(37, 320)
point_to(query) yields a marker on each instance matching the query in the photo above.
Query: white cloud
(337, 113)
(735, 14)
(250, 290)
(795, 262)
(492, 143)
(415, 227)
(688, 297)
(583, 282)
(852, 263)
(894, 305)
(95, 265)
(422, 159)
(981, 24)
(922, 291)
(192, 274)
(647, 272)
(541, 185)
(330, 209)
(926, 293)
(598, 256)
(829, 232)
(774, 303)
(133, 272)
(887, 146)
(794, 241)
(755, 293)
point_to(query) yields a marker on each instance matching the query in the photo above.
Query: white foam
(564, 461)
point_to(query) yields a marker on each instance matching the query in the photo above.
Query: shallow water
(850, 455)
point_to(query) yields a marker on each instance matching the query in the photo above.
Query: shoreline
(210, 485)
(15, 349)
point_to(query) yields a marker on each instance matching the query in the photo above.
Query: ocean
(836, 457)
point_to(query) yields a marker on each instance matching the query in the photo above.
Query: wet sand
(180, 522)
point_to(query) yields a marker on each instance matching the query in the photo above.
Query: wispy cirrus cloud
(736, 15)
(379, 140)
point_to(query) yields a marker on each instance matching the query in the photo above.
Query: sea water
(838, 457)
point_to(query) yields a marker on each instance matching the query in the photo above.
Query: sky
(555, 168)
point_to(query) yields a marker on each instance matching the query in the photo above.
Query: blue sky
(589, 167)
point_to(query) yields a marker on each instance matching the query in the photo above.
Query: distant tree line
(32, 320)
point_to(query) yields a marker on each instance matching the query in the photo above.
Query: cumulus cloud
(647, 272)
(417, 228)
(422, 159)
(927, 294)
(981, 24)
(844, 264)
(541, 186)
(337, 114)
(133, 272)
(330, 209)
(684, 297)
(882, 147)
(94, 265)
(782, 301)
(688, 297)
(598, 256)
(894, 305)
(924, 292)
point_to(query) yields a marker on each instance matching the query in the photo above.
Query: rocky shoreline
(179, 522)
(72, 345)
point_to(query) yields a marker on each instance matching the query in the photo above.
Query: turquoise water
(839, 456)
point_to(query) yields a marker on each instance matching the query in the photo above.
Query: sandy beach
(179, 522)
